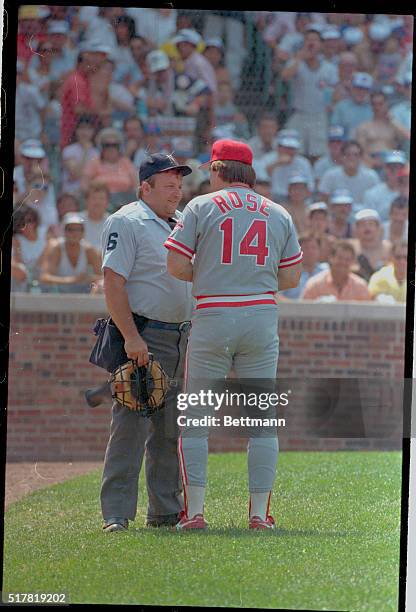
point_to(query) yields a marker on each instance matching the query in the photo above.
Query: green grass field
(336, 546)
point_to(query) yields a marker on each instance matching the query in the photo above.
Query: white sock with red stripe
(259, 503)
(195, 497)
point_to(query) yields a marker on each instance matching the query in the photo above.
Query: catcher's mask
(140, 388)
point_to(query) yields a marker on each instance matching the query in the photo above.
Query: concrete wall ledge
(95, 304)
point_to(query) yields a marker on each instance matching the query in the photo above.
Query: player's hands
(136, 349)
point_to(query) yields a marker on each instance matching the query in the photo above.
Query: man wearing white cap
(340, 208)
(280, 165)
(372, 250)
(356, 108)
(33, 156)
(195, 65)
(29, 106)
(382, 195)
(160, 84)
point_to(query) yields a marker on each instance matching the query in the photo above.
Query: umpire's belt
(182, 327)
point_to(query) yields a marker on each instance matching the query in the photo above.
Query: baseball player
(136, 282)
(238, 248)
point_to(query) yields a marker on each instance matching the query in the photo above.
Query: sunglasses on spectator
(42, 186)
(111, 144)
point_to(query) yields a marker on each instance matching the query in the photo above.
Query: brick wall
(51, 339)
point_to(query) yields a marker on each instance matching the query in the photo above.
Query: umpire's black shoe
(115, 523)
(167, 520)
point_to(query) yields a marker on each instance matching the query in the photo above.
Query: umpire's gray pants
(132, 436)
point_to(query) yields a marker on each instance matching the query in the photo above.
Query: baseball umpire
(138, 287)
(238, 249)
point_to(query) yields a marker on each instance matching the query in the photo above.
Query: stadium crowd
(323, 99)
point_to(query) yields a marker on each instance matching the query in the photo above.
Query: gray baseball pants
(133, 436)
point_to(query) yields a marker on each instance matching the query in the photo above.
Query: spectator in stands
(154, 24)
(336, 136)
(31, 30)
(227, 113)
(230, 26)
(378, 134)
(284, 163)
(114, 100)
(372, 46)
(297, 202)
(41, 75)
(396, 228)
(131, 74)
(99, 27)
(70, 259)
(311, 78)
(29, 245)
(133, 136)
(292, 42)
(311, 264)
(40, 192)
(63, 57)
(263, 187)
(319, 227)
(403, 181)
(265, 140)
(351, 175)
(347, 66)
(66, 203)
(214, 52)
(274, 26)
(390, 280)
(125, 29)
(182, 150)
(331, 44)
(97, 201)
(338, 283)
(77, 154)
(372, 250)
(356, 108)
(112, 167)
(30, 105)
(76, 93)
(160, 84)
(195, 65)
(340, 208)
(150, 144)
(400, 113)
(32, 156)
(382, 195)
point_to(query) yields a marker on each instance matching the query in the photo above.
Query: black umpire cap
(160, 162)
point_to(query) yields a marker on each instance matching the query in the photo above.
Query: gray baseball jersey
(132, 246)
(239, 240)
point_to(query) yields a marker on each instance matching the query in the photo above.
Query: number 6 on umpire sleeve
(112, 241)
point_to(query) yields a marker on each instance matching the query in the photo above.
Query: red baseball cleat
(257, 523)
(196, 522)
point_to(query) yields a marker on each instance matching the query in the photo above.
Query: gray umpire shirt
(132, 246)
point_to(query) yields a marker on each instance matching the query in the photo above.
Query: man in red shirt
(76, 91)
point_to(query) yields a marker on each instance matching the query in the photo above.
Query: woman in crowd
(72, 263)
(30, 246)
(112, 167)
(77, 154)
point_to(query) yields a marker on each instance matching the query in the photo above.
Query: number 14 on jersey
(253, 243)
